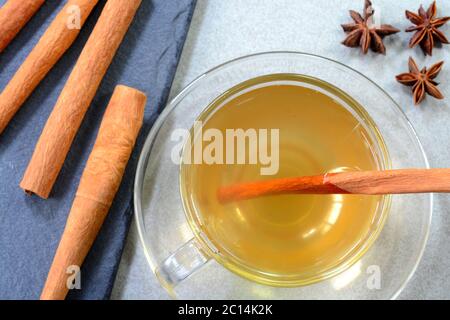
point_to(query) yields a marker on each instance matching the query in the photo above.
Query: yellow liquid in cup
(288, 240)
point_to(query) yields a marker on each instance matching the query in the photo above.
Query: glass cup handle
(182, 263)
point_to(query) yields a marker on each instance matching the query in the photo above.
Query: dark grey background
(30, 228)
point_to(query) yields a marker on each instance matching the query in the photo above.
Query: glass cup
(181, 257)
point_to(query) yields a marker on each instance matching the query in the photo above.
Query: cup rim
(144, 154)
(235, 264)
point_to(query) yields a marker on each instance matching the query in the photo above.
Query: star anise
(363, 32)
(426, 27)
(421, 80)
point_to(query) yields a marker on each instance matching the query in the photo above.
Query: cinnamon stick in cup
(99, 183)
(14, 15)
(59, 36)
(68, 113)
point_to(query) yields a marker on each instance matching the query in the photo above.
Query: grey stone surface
(223, 30)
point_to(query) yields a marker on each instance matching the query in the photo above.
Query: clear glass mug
(183, 262)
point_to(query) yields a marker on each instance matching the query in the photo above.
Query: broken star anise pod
(364, 33)
(426, 27)
(422, 81)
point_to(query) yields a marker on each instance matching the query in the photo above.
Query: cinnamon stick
(398, 181)
(68, 113)
(53, 44)
(14, 15)
(99, 183)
